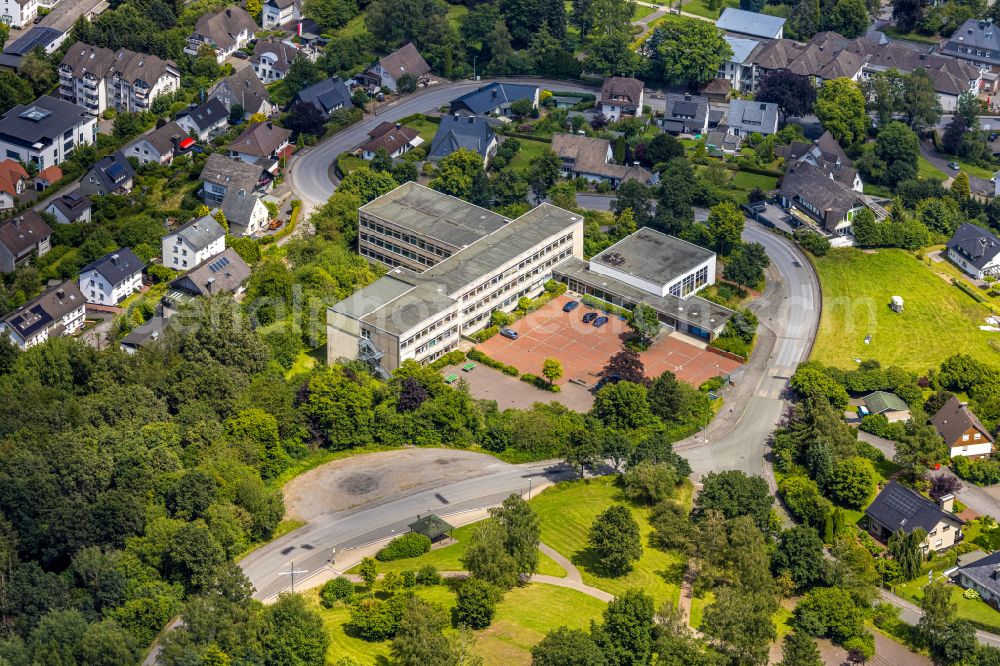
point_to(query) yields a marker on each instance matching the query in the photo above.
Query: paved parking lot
(584, 350)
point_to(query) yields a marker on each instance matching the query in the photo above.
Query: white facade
(56, 212)
(97, 290)
(992, 267)
(71, 322)
(43, 156)
(180, 256)
(973, 444)
(614, 111)
(273, 16)
(682, 286)
(203, 133)
(115, 91)
(18, 15)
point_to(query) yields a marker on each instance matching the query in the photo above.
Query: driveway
(977, 185)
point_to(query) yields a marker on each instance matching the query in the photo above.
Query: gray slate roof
(223, 273)
(231, 174)
(954, 419)
(975, 244)
(693, 109)
(200, 233)
(244, 88)
(117, 266)
(207, 114)
(52, 305)
(38, 37)
(493, 96)
(24, 231)
(44, 120)
(804, 182)
(72, 205)
(114, 171)
(144, 334)
(897, 507)
(978, 36)
(984, 572)
(750, 23)
(751, 116)
(471, 133)
(327, 95)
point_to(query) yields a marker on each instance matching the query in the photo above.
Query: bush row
(451, 358)
(480, 357)
(408, 545)
(540, 382)
(604, 306)
(983, 472)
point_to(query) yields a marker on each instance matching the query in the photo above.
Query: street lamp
(292, 572)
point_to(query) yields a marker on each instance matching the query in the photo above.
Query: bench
(450, 378)
(469, 366)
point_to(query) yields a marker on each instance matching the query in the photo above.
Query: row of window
(396, 249)
(404, 237)
(510, 285)
(428, 330)
(379, 257)
(691, 283)
(978, 52)
(498, 277)
(451, 332)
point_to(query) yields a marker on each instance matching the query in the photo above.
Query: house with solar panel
(57, 312)
(112, 278)
(110, 175)
(899, 508)
(70, 207)
(225, 273)
(191, 244)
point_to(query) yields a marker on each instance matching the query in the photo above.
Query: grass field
(938, 319)
(567, 512)
(642, 11)
(700, 8)
(529, 151)
(449, 558)
(425, 128)
(455, 14)
(523, 618)
(928, 171)
(744, 180)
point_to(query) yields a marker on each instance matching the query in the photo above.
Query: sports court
(584, 350)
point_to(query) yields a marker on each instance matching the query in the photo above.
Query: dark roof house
(110, 175)
(493, 97)
(471, 133)
(982, 574)
(684, 114)
(116, 266)
(392, 138)
(430, 526)
(327, 95)
(23, 233)
(245, 89)
(975, 41)
(45, 38)
(405, 60)
(202, 118)
(955, 421)
(224, 273)
(747, 117)
(223, 28)
(44, 121)
(899, 508)
(260, 140)
(975, 249)
(821, 197)
(72, 206)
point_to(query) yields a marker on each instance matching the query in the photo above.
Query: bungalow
(205, 120)
(494, 99)
(224, 31)
(899, 508)
(327, 96)
(720, 142)
(684, 114)
(71, 207)
(13, 182)
(472, 133)
(193, 243)
(887, 404)
(262, 144)
(593, 159)
(387, 71)
(143, 335)
(225, 273)
(621, 96)
(812, 195)
(747, 117)
(395, 139)
(980, 572)
(112, 278)
(161, 145)
(962, 431)
(22, 237)
(47, 176)
(110, 175)
(975, 250)
(60, 311)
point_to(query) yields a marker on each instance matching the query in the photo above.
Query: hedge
(419, 116)
(604, 306)
(451, 358)
(540, 382)
(485, 334)
(732, 345)
(983, 472)
(971, 291)
(402, 547)
(480, 357)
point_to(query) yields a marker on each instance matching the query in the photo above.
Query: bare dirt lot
(352, 482)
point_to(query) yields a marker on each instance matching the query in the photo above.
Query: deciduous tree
(615, 538)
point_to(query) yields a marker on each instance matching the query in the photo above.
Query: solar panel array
(218, 264)
(904, 503)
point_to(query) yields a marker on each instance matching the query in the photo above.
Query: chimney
(270, 125)
(114, 259)
(947, 502)
(456, 115)
(687, 97)
(996, 573)
(18, 220)
(494, 93)
(399, 125)
(209, 283)
(61, 293)
(472, 120)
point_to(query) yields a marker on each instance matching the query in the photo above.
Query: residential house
(823, 58)
(13, 182)
(224, 31)
(143, 335)
(724, 143)
(472, 133)
(19, 13)
(981, 574)
(951, 77)
(976, 42)
(278, 13)
(59, 311)
(45, 131)
(976, 251)
(272, 58)
(826, 154)
(717, 91)
(225, 273)
(962, 431)
(47, 177)
(494, 99)
(205, 120)
(222, 176)
(22, 237)
(621, 96)
(243, 90)
(327, 95)
(262, 144)
(592, 159)
(112, 278)
(38, 37)
(739, 70)
(71, 207)
(110, 175)
(97, 78)
(814, 196)
(899, 508)
(748, 116)
(246, 214)
(161, 145)
(190, 244)
(889, 405)
(387, 71)
(684, 114)
(395, 139)
(752, 24)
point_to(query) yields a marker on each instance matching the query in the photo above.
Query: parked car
(600, 321)
(954, 165)
(589, 317)
(610, 379)
(572, 305)
(508, 333)
(994, 136)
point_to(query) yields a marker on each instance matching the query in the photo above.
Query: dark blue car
(600, 321)
(589, 317)
(572, 305)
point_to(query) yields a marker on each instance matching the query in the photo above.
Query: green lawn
(347, 163)
(928, 171)
(700, 8)
(974, 171)
(529, 151)
(938, 319)
(642, 11)
(698, 609)
(744, 180)
(523, 618)
(968, 609)
(449, 558)
(425, 128)
(354, 27)
(567, 511)
(455, 14)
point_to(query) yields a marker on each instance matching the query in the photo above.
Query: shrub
(337, 589)
(878, 425)
(480, 357)
(485, 334)
(540, 382)
(453, 357)
(377, 619)
(476, 603)
(410, 544)
(866, 450)
(983, 472)
(428, 575)
(812, 241)
(733, 346)
(409, 578)
(970, 594)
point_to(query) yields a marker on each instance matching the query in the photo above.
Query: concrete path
(573, 585)
(572, 573)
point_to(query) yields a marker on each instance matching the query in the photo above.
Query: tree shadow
(673, 573)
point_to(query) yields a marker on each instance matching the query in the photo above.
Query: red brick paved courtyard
(584, 350)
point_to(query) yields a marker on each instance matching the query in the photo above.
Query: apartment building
(97, 78)
(45, 131)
